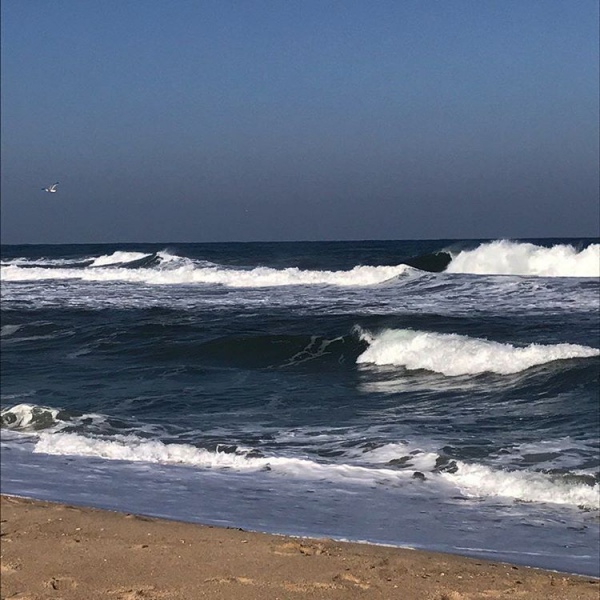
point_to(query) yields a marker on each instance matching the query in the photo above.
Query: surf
(453, 354)
(504, 257)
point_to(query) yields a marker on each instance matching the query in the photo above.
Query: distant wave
(166, 269)
(453, 354)
(118, 258)
(503, 257)
(47, 263)
(500, 257)
(434, 263)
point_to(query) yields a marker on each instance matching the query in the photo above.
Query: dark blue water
(314, 382)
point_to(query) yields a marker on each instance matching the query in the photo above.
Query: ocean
(435, 394)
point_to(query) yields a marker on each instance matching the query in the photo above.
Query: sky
(275, 120)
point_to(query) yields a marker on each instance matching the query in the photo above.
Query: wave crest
(503, 257)
(118, 257)
(453, 354)
(176, 270)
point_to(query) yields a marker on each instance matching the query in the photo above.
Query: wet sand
(65, 552)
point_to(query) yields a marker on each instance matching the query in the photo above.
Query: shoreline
(54, 550)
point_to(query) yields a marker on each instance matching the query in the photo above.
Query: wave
(119, 258)
(166, 269)
(478, 481)
(500, 257)
(29, 417)
(453, 354)
(504, 257)
(471, 480)
(433, 263)
(274, 351)
(32, 418)
(45, 262)
(391, 464)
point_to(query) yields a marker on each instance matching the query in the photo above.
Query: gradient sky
(242, 120)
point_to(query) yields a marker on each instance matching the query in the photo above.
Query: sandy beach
(65, 552)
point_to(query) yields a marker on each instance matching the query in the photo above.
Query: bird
(51, 188)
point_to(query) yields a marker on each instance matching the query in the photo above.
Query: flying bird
(51, 188)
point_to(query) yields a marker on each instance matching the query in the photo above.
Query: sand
(64, 552)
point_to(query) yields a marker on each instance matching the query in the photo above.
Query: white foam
(23, 416)
(32, 262)
(503, 257)
(134, 449)
(453, 354)
(166, 257)
(16, 273)
(118, 257)
(475, 480)
(32, 417)
(416, 458)
(191, 273)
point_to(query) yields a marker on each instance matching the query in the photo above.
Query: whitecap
(504, 257)
(453, 354)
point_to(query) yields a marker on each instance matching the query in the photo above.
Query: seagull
(51, 189)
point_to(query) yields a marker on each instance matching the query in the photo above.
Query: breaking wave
(167, 269)
(118, 258)
(453, 354)
(503, 257)
(473, 480)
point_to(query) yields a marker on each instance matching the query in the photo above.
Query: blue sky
(222, 120)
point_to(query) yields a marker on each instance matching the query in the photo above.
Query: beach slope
(64, 552)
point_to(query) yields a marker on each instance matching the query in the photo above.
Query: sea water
(438, 394)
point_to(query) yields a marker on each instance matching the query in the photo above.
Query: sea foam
(472, 480)
(186, 272)
(29, 417)
(503, 257)
(117, 257)
(453, 354)
(479, 481)
(378, 465)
